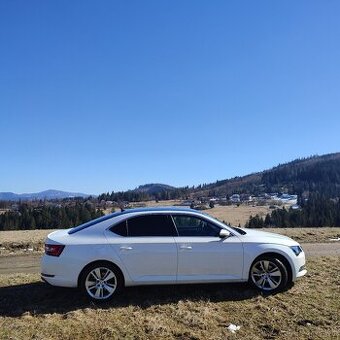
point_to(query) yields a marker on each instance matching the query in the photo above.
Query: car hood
(256, 236)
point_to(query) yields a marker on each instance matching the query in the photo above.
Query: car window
(120, 229)
(151, 225)
(194, 226)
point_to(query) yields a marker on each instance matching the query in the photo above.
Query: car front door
(148, 249)
(203, 255)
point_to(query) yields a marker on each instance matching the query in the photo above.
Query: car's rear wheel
(268, 274)
(101, 281)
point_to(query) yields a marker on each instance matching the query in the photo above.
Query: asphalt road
(30, 263)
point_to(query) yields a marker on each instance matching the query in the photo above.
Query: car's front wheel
(100, 281)
(268, 274)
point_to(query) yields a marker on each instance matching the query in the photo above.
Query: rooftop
(127, 211)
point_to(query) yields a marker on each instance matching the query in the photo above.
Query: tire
(101, 281)
(268, 274)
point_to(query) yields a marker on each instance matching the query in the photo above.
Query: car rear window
(151, 225)
(93, 222)
(120, 229)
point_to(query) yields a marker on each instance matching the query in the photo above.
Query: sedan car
(167, 246)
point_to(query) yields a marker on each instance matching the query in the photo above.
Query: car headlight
(296, 249)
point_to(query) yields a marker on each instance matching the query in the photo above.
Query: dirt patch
(29, 263)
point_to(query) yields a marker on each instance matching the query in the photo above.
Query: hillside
(316, 173)
(313, 174)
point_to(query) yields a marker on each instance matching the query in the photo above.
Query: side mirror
(224, 233)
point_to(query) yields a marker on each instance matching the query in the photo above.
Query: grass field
(30, 309)
(236, 215)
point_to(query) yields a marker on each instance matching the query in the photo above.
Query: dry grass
(21, 241)
(30, 309)
(311, 235)
(236, 215)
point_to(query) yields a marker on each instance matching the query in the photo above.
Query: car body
(167, 246)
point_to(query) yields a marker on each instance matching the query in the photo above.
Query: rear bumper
(57, 281)
(58, 273)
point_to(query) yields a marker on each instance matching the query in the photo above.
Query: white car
(167, 246)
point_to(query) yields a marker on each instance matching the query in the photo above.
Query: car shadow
(41, 298)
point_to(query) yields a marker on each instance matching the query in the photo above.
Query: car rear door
(148, 250)
(203, 255)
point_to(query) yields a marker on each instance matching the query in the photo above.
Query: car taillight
(54, 249)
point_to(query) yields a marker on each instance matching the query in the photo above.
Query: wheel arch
(280, 257)
(100, 262)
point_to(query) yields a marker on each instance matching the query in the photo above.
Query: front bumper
(300, 266)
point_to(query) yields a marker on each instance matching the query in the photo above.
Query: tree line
(139, 196)
(48, 217)
(317, 211)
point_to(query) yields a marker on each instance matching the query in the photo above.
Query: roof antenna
(121, 206)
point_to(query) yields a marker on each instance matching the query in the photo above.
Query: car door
(203, 255)
(147, 249)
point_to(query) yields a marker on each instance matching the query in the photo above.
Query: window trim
(145, 215)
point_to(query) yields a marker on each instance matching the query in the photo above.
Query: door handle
(185, 247)
(125, 248)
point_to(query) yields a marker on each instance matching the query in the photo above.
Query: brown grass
(309, 310)
(21, 241)
(236, 215)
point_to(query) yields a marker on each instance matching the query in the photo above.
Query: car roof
(130, 211)
(157, 209)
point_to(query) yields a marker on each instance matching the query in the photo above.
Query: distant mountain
(47, 194)
(154, 188)
(145, 192)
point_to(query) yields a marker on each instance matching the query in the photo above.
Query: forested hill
(313, 174)
(316, 174)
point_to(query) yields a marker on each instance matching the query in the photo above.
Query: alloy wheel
(101, 283)
(266, 275)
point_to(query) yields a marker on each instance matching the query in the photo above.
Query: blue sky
(106, 95)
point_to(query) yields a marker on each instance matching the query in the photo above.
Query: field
(30, 309)
(236, 215)
(309, 310)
